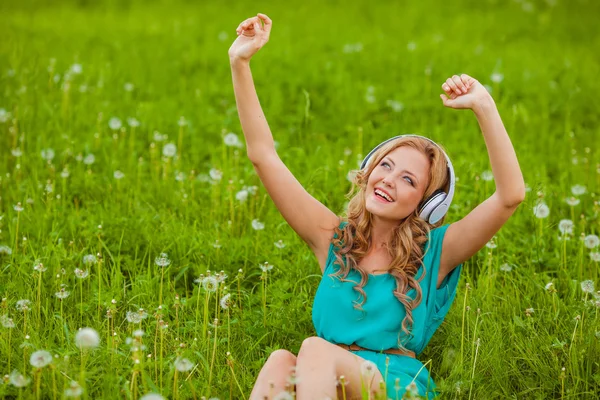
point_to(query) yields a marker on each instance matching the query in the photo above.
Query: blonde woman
(390, 266)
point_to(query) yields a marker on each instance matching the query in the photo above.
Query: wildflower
(169, 150)
(183, 364)
(225, 301)
(367, 369)
(7, 322)
(232, 140)
(497, 77)
(62, 293)
(210, 284)
(4, 249)
(284, 395)
(90, 259)
(38, 266)
(221, 276)
(215, 174)
(18, 207)
(587, 286)
(23, 305)
(18, 380)
(138, 333)
(132, 122)
(87, 338)
(266, 267)
(572, 201)
(578, 190)
(133, 317)
(257, 225)
(81, 274)
(242, 195)
(595, 255)
(89, 159)
(279, 244)
(74, 390)
(565, 226)
(47, 154)
(491, 244)
(411, 389)
(162, 260)
(40, 359)
(541, 210)
(487, 175)
(505, 267)
(118, 175)
(115, 123)
(591, 241)
(152, 396)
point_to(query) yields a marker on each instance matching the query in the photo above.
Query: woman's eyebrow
(407, 171)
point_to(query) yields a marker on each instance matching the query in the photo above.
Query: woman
(391, 252)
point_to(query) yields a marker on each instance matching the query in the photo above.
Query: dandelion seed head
(162, 260)
(40, 358)
(169, 150)
(114, 123)
(17, 379)
(7, 322)
(183, 364)
(87, 338)
(74, 390)
(487, 175)
(242, 195)
(81, 274)
(565, 226)
(210, 284)
(572, 201)
(225, 301)
(541, 210)
(587, 286)
(578, 190)
(4, 249)
(118, 175)
(591, 241)
(90, 259)
(47, 154)
(367, 369)
(152, 396)
(595, 256)
(279, 244)
(497, 77)
(257, 225)
(23, 305)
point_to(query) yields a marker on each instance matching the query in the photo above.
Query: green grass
(314, 91)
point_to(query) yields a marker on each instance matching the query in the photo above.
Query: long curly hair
(409, 236)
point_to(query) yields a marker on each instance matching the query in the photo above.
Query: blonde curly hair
(408, 238)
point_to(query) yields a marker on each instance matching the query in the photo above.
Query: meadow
(140, 254)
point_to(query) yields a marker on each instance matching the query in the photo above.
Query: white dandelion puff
(4, 249)
(506, 267)
(132, 122)
(232, 140)
(541, 210)
(215, 174)
(115, 123)
(74, 390)
(90, 259)
(23, 305)
(549, 285)
(89, 159)
(152, 396)
(367, 369)
(210, 284)
(62, 294)
(47, 154)
(183, 364)
(565, 226)
(162, 260)
(587, 286)
(497, 77)
(257, 225)
(16, 152)
(87, 338)
(40, 358)
(595, 256)
(118, 175)
(279, 244)
(578, 190)
(487, 175)
(169, 150)
(81, 274)
(225, 301)
(128, 86)
(133, 317)
(492, 243)
(572, 201)
(242, 195)
(17, 379)
(216, 244)
(7, 322)
(266, 267)
(591, 241)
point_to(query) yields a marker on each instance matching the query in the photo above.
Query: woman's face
(404, 175)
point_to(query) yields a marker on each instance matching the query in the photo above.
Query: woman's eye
(410, 180)
(385, 163)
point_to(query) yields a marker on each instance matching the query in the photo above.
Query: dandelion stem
(175, 396)
(473, 373)
(462, 338)
(212, 362)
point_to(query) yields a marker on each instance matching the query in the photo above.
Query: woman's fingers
(267, 22)
(247, 24)
(452, 85)
(459, 83)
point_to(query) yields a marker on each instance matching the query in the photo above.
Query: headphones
(435, 206)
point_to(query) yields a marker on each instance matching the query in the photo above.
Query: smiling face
(404, 175)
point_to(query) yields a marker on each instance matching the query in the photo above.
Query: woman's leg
(321, 363)
(276, 370)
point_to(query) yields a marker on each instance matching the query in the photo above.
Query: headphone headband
(436, 206)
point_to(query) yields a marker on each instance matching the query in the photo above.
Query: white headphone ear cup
(430, 207)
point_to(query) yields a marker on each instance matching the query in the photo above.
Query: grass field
(125, 188)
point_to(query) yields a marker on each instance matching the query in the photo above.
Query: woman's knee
(281, 358)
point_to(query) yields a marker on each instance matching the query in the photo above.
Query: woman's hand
(252, 35)
(464, 92)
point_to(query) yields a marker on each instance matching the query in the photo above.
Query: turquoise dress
(336, 320)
